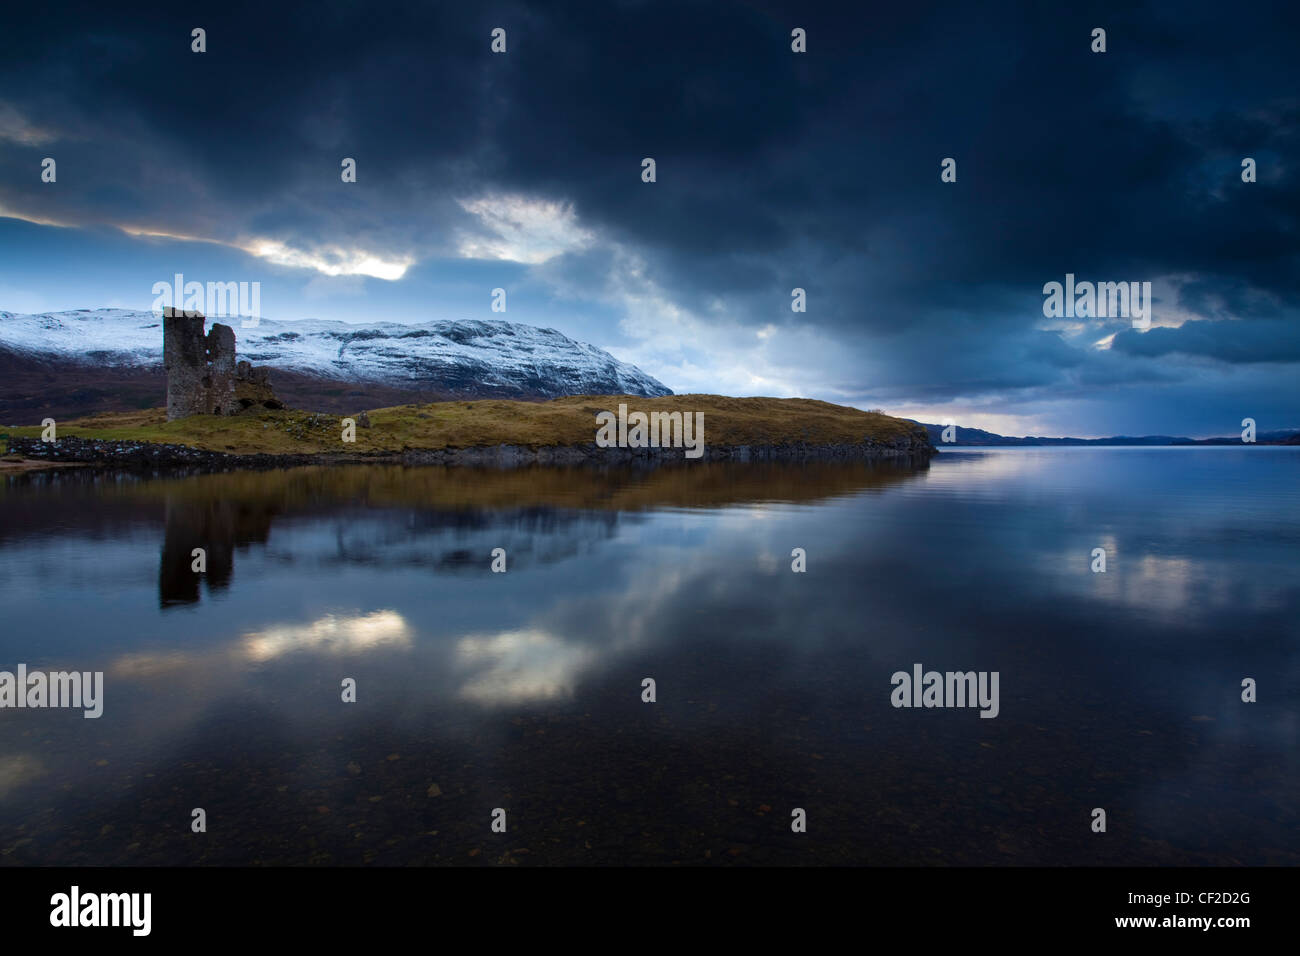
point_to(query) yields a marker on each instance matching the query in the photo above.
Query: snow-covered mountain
(470, 357)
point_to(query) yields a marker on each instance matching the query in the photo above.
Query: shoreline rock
(82, 452)
(516, 455)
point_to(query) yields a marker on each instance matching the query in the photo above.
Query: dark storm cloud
(774, 170)
(1240, 342)
(249, 136)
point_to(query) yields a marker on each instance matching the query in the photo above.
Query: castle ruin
(202, 375)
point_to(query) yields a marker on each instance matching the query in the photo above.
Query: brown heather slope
(468, 424)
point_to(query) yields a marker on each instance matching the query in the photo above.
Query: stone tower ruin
(200, 368)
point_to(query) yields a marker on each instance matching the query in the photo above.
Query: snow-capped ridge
(454, 355)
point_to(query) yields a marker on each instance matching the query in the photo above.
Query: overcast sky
(775, 170)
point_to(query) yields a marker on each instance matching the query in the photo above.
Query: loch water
(523, 690)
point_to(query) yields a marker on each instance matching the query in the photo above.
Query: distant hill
(977, 436)
(68, 364)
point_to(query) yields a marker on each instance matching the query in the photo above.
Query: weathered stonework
(253, 375)
(221, 370)
(185, 357)
(202, 373)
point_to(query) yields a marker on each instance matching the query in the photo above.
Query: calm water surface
(478, 690)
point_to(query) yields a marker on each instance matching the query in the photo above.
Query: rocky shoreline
(130, 455)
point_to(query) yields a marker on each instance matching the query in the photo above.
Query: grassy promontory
(557, 424)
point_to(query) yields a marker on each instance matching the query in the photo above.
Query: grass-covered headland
(477, 431)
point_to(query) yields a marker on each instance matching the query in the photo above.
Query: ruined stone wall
(185, 359)
(252, 374)
(221, 370)
(203, 374)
